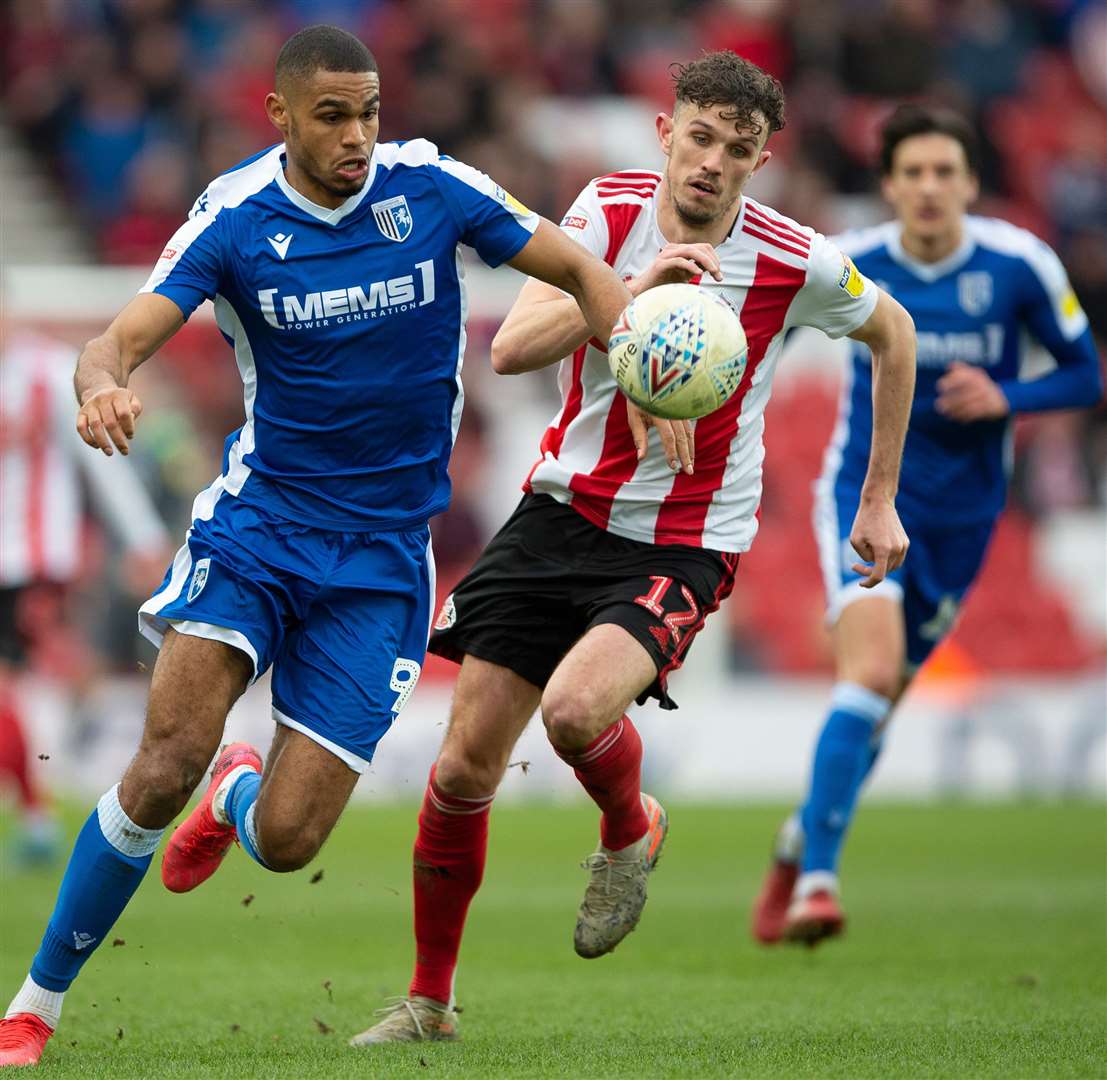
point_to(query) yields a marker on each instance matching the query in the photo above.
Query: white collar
(324, 213)
(931, 271)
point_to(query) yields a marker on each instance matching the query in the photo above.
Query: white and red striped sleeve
(836, 297)
(586, 223)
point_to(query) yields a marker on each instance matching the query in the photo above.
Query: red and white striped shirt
(42, 464)
(777, 274)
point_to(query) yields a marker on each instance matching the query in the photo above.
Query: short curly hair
(725, 78)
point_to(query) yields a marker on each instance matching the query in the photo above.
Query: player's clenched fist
(878, 537)
(677, 264)
(107, 417)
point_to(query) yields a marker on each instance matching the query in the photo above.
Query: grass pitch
(977, 946)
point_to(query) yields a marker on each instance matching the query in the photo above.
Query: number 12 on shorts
(676, 621)
(405, 674)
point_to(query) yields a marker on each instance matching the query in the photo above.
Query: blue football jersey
(976, 306)
(348, 326)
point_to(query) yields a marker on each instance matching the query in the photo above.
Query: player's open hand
(878, 537)
(967, 393)
(108, 417)
(677, 264)
(677, 438)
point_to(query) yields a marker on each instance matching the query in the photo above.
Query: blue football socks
(846, 752)
(239, 808)
(108, 863)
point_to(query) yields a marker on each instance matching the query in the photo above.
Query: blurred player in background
(45, 475)
(973, 286)
(332, 261)
(590, 595)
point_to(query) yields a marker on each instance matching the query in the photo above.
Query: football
(678, 351)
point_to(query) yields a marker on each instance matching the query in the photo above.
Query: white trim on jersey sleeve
(230, 189)
(836, 297)
(1007, 239)
(586, 223)
(858, 242)
(486, 186)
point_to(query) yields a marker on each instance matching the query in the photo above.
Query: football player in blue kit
(332, 260)
(973, 285)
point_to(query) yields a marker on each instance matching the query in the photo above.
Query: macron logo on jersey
(354, 303)
(280, 243)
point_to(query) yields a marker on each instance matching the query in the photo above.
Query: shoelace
(596, 864)
(206, 842)
(398, 1007)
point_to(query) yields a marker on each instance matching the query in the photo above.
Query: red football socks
(15, 758)
(450, 851)
(610, 768)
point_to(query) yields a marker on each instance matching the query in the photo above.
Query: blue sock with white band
(845, 753)
(109, 861)
(239, 807)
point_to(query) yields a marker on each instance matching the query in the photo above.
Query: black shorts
(549, 575)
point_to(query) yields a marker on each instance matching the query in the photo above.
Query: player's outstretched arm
(108, 408)
(551, 257)
(544, 325)
(877, 534)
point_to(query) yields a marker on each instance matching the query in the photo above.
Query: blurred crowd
(136, 104)
(133, 105)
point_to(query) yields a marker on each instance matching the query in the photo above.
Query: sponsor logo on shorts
(447, 616)
(199, 579)
(574, 221)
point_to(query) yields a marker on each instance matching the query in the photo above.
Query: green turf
(977, 947)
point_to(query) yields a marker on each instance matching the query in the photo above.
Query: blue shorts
(342, 617)
(941, 564)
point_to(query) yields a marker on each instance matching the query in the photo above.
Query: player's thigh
(512, 609)
(491, 708)
(195, 682)
(593, 686)
(650, 602)
(303, 792)
(870, 644)
(237, 579)
(346, 671)
(834, 510)
(945, 563)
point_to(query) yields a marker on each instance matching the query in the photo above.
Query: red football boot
(814, 918)
(199, 843)
(771, 907)
(22, 1038)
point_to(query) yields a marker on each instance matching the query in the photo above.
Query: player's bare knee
(467, 773)
(160, 780)
(569, 716)
(288, 845)
(883, 677)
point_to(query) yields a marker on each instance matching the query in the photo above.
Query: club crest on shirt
(393, 218)
(974, 292)
(199, 579)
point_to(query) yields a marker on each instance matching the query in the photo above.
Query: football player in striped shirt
(332, 260)
(591, 594)
(974, 286)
